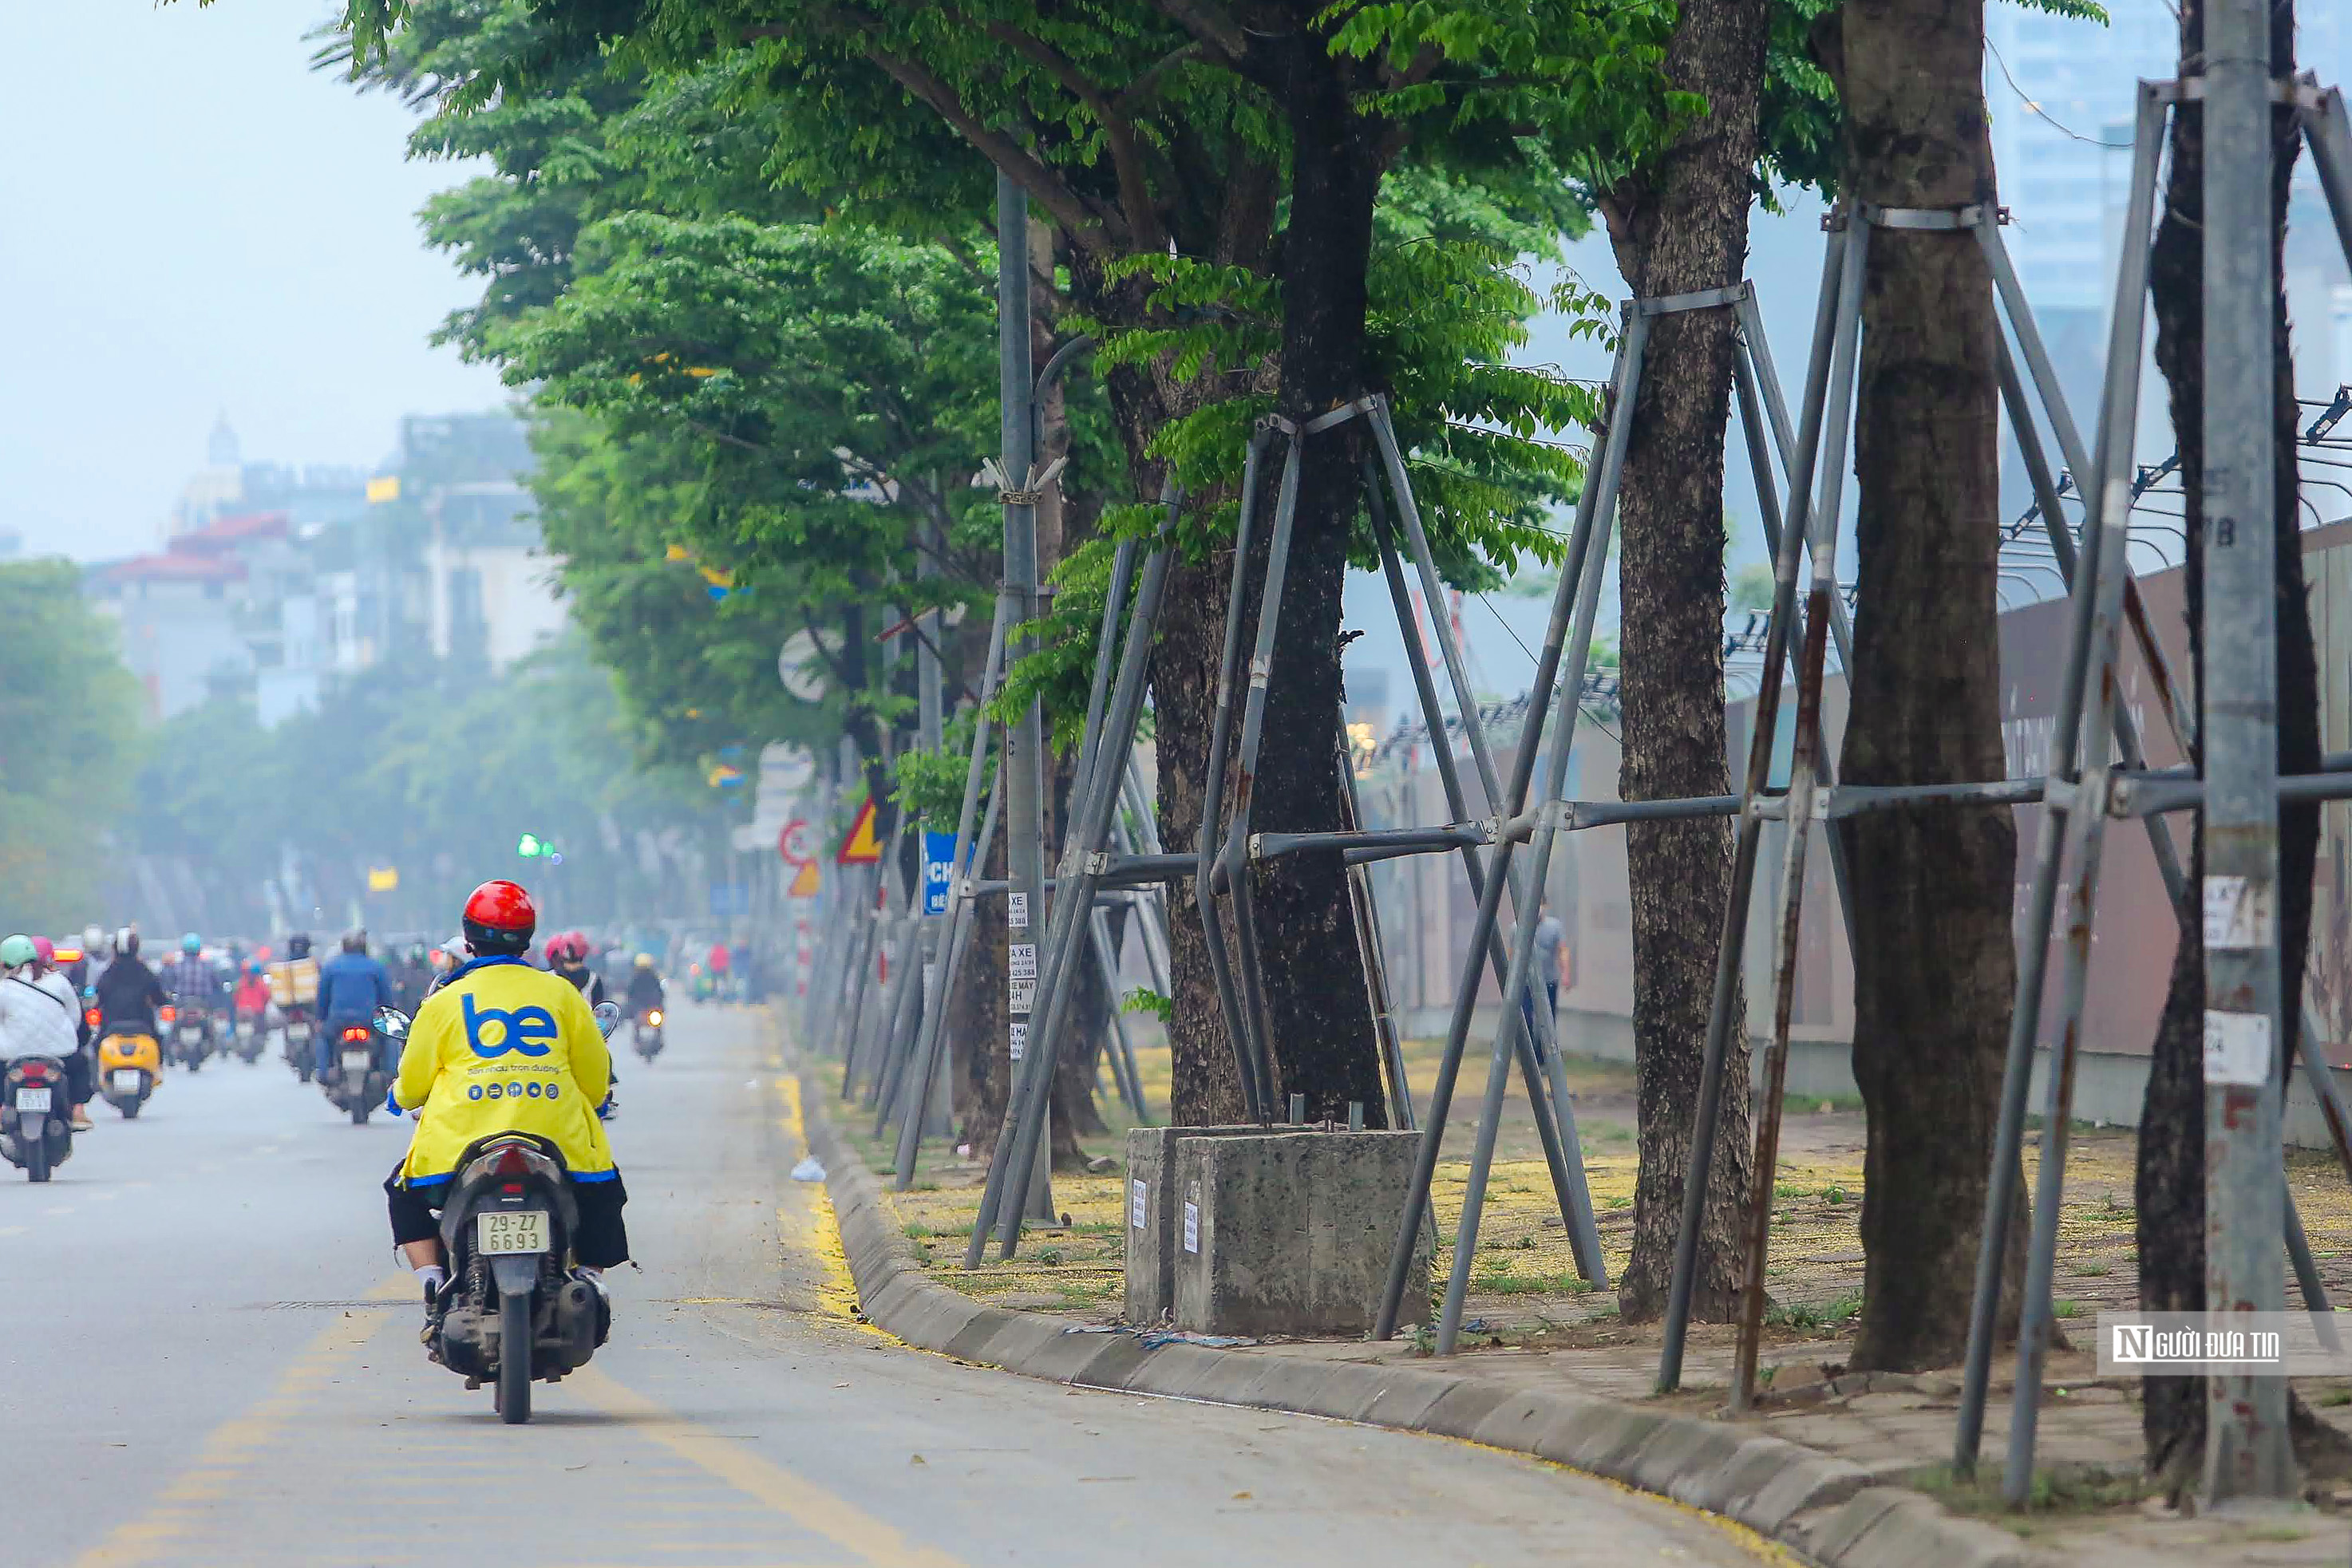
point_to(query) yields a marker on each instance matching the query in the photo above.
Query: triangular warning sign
(804, 882)
(861, 848)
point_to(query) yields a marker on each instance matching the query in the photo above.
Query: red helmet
(568, 947)
(500, 918)
(44, 949)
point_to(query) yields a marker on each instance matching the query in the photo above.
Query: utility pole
(2247, 1452)
(1024, 756)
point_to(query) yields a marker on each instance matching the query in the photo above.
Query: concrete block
(1806, 1480)
(1887, 1527)
(1153, 1221)
(1457, 1412)
(1515, 1423)
(1287, 1233)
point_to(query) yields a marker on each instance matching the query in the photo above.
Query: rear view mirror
(608, 1018)
(392, 1023)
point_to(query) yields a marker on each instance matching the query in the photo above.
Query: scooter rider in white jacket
(37, 1017)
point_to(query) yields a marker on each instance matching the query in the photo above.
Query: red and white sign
(792, 843)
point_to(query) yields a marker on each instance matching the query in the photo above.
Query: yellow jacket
(504, 1048)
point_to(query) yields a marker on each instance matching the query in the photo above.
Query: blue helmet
(192, 943)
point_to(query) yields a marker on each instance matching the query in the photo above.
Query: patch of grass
(1805, 1316)
(2335, 1397)
(2070, 1491)
(918, 1232)
(2092, 1271)
(1620, 1203)
(2068, 1309)
(1049, 1255)
(1509, 1284)
(1833, 1196)
(1785, 1190)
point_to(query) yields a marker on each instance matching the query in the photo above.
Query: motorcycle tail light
(513, 1187)
(90, 1017)
(35, 1073)
(168, 1014)
(356, 1033)
(512, 1164)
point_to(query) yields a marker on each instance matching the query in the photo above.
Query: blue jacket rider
(352, 986)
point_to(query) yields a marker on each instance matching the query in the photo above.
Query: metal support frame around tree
(1835, 352)
(1068, 926)
(2247, 1447)
(1574, 609)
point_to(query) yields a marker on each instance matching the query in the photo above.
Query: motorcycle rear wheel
(37, 1160)
(514, 1359)
(360, 1113)
(129, 1109)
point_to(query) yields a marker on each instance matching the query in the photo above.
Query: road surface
(208, 1356)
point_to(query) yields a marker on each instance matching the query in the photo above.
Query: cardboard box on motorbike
(293, 982)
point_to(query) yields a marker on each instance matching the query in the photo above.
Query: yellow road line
(220, 1465)
(805, 1503)
(819, 1229)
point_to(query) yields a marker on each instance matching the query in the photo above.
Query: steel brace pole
(1084, 859)
(1548, 662)
(2074, 822)
(1555, 1122)
(1839, 287)
(968, 859)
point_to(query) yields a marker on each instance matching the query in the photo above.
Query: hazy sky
(192, 223)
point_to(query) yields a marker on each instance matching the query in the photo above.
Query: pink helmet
(45, 950)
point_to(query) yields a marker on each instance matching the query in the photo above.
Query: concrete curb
(1822, 1507)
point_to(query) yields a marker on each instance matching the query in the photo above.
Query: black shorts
(602, 1242)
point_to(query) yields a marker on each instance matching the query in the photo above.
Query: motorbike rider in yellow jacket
(502, 1046)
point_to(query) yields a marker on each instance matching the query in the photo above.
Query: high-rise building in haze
(2061, 93)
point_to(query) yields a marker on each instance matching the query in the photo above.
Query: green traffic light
(529, 846)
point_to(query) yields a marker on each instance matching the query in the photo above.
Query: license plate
(245, 1031)
(126, 1080)
(298, 1031)
(357, 1061)
(191, 1036)
(510, 1231)
(33, 1100)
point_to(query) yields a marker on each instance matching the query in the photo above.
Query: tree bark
(1321, 1024)
(1316, 1006)
(2170, 1183)
(1935, 963)
(1678, 227)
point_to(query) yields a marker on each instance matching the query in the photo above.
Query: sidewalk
(1553, 1373)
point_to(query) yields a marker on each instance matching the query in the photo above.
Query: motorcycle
(355, 1080)
(300, 1030)
(648, 1034)
(521, 1313)
(33, 1131)
(130, 1066)
(248, 1040)
(190, 1028)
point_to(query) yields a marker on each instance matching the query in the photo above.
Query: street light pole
(2247, 1450)
(1024, 756)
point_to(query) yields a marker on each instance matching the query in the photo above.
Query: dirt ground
(1524, 1287)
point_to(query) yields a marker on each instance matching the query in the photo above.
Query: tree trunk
(1321, 1023)
(2171, 1185)
(1318, 1010)
(1679, 227)
(982, 1049)
(1935, 965)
